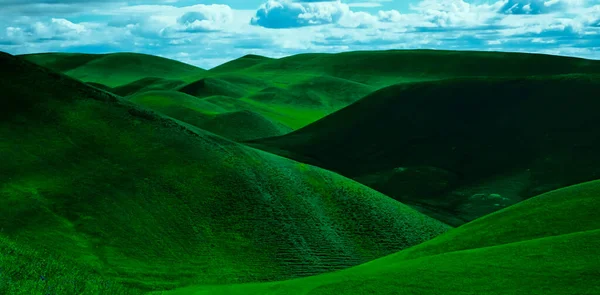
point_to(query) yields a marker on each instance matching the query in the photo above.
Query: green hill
(235, 121)
(384, 68)
(544, 245)
(152, 204)
(243, 62)
(562, 265)
(460, 148)
(147, 84)
(114, 69)
(213, 86)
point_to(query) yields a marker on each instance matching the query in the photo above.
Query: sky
(209, 33)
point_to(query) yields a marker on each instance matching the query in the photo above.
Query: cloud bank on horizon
(208, 33)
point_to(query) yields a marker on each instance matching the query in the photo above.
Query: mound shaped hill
(480, 143)
(232, 121)
(114, 69)
(154, 204)
(328, 93)
(241, 63)
(384, 68)
(212, 86)
(541, 244)
(147, 84)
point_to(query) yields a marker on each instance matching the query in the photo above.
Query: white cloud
(279, 14)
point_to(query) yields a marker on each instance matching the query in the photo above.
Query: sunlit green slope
(545, 245)
(224, 116)
(460, 148)
(384, 68)
(115, 69)
(153, 204)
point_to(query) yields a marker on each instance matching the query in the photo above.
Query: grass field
(153, 204)
(545, 245)
(374, 172)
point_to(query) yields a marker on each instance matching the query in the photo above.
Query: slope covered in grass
(147, 84)
(155, 204)
(546, 244)
(114, 69)
(562, 265)
(460, 148)
(235, 121)
(25, 271)
(213, 86)
(241, 63)
(384, 68)
(304, 88)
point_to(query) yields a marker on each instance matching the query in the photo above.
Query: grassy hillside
(147, 84)
(115, 69)
(25, 271)
(546, 244)
(301, 89)
(153, 204)
(235, 121)
(460, 148)
(384, 68)
(243, 62)
(562, 265)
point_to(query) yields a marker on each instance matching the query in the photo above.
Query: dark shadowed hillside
(460, 148)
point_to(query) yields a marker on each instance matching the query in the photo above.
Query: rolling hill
(224, 116)
(114, 69)
(139, 200)
(546, 244)
(458, 149)
(301, 89)
(385, 68)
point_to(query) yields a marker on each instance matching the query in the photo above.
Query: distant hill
(151, 204)
(460, 148)
(114, 69)
(384, 68)
(241, 63)
(545, 243)
(226, 117)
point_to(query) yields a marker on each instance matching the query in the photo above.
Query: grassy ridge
(301, 89)
(492, 140)
(545, 244)
(233, 121)
(115, 69)
(384, 68)
(153, 204)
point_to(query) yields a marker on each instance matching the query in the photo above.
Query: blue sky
(208, 33)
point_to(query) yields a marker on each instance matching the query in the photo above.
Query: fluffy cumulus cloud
(279, 14)
(208, 34)
(54, 29)
(538, 6)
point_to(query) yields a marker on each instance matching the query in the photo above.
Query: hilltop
(113, 69)
(135, 198)
(224, 116)
(458, 149)
(298, 90)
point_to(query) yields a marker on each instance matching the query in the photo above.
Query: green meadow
(372, 172)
